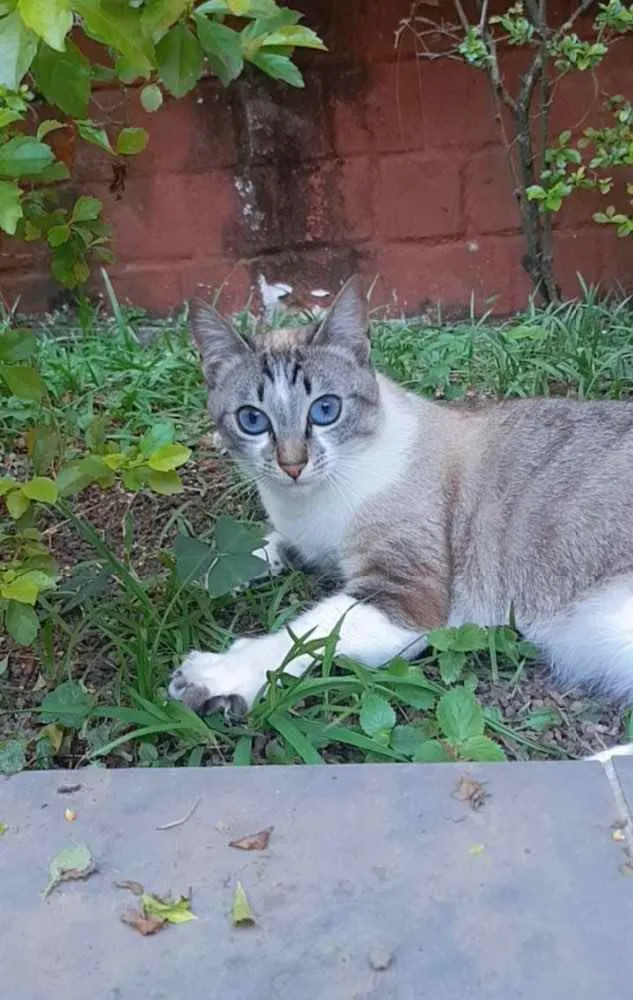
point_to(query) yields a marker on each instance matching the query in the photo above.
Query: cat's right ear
(216, 339)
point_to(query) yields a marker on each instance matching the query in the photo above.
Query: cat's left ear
(347, 322)
(218, 341)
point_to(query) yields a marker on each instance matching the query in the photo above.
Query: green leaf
(43, 445)
(24, 156)
(481, 748)
(416, 697)
(121, 27)
(22, 623)
(158, 435)
(131, 141)
(69, 705)
(241, 913)
(164, 483)
(231, 570)
(161, 14)
(77, 475)
(95, 135)
(18, 46)
(57, 235)
(278, 67)
(168, 457)
(7, 484)
(50, 19)
(193, 558)
(63, 78)
(24, 382)
(74, 862)
(151, 97)
(41, 488)
(223, 48)
(451, 665)
(179, 59)
(10, 206)
(407, 740)
(237, 536)
(466, 639)
(17, 505)
(174, 911)
(432, 752)
(86, 209)
(12, 757)
(460, 716)
(294, 34)
(376, 714)
(26, 587)
(47, 126)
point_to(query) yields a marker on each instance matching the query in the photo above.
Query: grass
(93, 687)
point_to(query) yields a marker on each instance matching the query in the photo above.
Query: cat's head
(290, 405)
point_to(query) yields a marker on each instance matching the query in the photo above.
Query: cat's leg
(272, 553)
(232, 680)
(591, 644)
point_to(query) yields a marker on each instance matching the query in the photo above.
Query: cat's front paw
(228, 682)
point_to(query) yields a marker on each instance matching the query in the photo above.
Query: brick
(380, 25)
(490, 205)
(418, 196)
(329, 203)
(315, 268)
(278, 123)
(168, 216)
(395, 105)
(458, 106)
(216, 279)
(33, 290)
(416, 277)
(617, 260)
(154, 283)
(260, 192)
(344, 93)
(192, 134)
(340, 25)
(577, 252)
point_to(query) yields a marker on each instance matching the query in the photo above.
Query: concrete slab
(368, 866)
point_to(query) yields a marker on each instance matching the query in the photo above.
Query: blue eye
(325, 410)
(252, 420)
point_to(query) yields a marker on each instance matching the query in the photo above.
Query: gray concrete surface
(368, 866)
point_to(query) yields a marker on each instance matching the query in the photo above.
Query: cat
(430, 515)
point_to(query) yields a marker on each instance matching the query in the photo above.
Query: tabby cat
(430, 515)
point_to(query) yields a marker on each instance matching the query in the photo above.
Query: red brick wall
(383, 163)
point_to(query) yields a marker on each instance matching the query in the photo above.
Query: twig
(183, 820)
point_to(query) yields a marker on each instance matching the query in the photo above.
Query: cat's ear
(217, 341)
(347, 323)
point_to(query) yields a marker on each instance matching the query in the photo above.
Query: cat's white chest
(315, 524)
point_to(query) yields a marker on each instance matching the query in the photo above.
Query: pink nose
(294, 471)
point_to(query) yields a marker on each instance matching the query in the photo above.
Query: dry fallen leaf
(70, 863)
(241, 913)
(145, 925)
(131, 886)
(471, 791)
(254, 841)
(70, 815)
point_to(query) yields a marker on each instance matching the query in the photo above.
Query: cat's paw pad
(209, 682)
